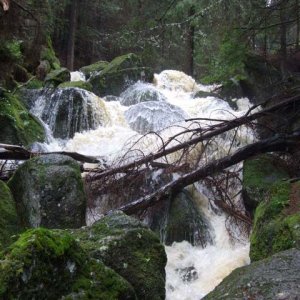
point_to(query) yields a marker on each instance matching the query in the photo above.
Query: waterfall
(92, 126)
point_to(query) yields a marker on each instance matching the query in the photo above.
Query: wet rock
(188, 274)
(129, 248)
(153, 116)
(56, 77)
(9, 222)
(140, 92)
(45, 264)
(70, 110)
(49, 192)
(76, 84)
(274, 278)
(185, 222)
(94, 68)
(18, 126)
(119, 74)
(259, 174)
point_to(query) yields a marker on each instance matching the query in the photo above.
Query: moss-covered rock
(58, 76)
(18, 126)
(48, 54)
(49, 192)
(9, 222)
(129, 248)
(276, 277)
(119, 74)
(44, 264)
(277, 221)
(89, 70)
(259, 173)
(77, 84)
(185, 222)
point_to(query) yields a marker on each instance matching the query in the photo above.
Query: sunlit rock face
(141, 92)
(70, 110)
(153, 116)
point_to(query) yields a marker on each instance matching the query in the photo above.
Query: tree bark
(191, 42)
(72, 35)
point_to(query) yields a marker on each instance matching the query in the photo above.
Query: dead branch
(14, 152)
(216, 130)
(275, 144)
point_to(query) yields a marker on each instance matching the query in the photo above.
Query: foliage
(10, 51)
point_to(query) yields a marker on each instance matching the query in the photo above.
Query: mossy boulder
(131, 249)
(45, 264)
(9, 222)
(185, 222)
(89, 70)
(18, 126)
(56, 77)
(119, 74)
(49, 192)
(277, 221)
(276, 277)
(259, 173)
(77, 84)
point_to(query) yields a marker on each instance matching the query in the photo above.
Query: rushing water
(191, 271)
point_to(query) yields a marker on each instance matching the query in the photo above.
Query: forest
(149, 149)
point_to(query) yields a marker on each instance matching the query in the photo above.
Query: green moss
(76, 84)
(10, 51)
(274, 230)
(96, 67)
(18, 126)
(58, 76)
(34, 84)
(45, 264)
(9, 223)
(48, 54)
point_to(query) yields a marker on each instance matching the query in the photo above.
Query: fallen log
(14, 152)
(276, 144)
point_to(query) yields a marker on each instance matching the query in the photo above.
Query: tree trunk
(72, 34)
(283, 38)
(191, 42)
(298, 24)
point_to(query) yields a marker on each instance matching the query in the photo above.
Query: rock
(259, 173)
(203, 94)
(56, 77)
(76, 84)
(45, 264)
(49, 192)
(94, 68)
(9, 222)
(140, 92)
(274, 278)
(185, 223)
(277, 221)
(48, 54)
(43, 69)
(20, 74)
(18, 126)
(153, 116)
(119, 74)
(71, 110)
(129, 248)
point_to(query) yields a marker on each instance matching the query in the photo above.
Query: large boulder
(274, 278)
(119, 74)
(56, 77)
(76, 84)
(259, 173)
(45, 264)
(185, 222)
(129, 248)
(153, 116)
(9, 222)
(94, 68)
(277, 221)
(70, 110)
(141, 92)
(18, 126)
(49, 192)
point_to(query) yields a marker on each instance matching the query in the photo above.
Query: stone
(49, 192)
(18, 126)
(274, 278)
(129, 248)
(9, 222)
(94, 68)
(119, 74)
(76, 84)
(58, 76)
(47, 264)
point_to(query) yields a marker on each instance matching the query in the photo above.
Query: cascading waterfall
(92, 126)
